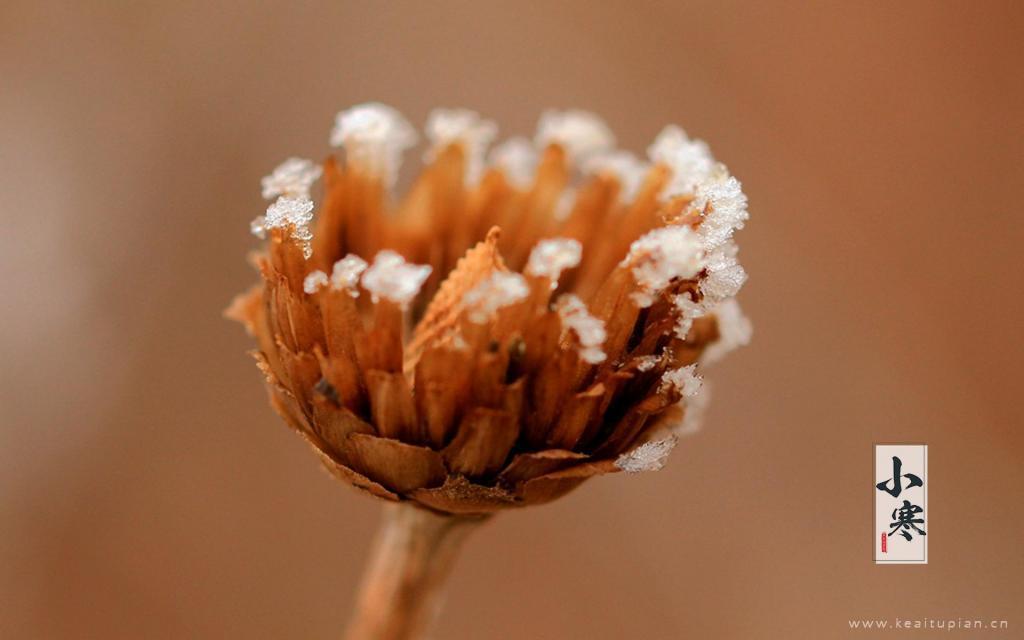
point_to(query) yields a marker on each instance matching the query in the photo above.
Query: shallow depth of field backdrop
(148, 491)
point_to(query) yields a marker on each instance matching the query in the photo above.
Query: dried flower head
(533, 321)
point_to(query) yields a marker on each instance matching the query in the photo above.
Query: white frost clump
(581, 133)
(499, 290)
(315, 281)
(650, 456)
(551, 257)
(374, 136)
(293, 177)
(689, 160)
(734, 331)
(589, 330)
(726, 205)
(625, 167)
(286, 211)
(688, 312)
(393, 278)
(517, 159)
(461, 126)
(661, 256)
(684, 380)
(346, 272)
(646, 363)
(725, 276)
(694, 409)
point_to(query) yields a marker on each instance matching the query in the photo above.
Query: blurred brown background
(147, 490)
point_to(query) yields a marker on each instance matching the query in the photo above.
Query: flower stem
(402, 588)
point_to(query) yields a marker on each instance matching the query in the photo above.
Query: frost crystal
(689, 160)
(683, 380)
(688, 312)
(517, 159)
(625, 167)
(258, 227)
(393, 278)
(346, 272)
(315, 281)
(589, 330)
(581, 133)
(465, 127)
(501, 289)
(374, 136)
(661, 256)
(726, 209)
(650, 456)
(725, 277)
(294, 212)
(734, 331)
(693, 413)
(551, 257)
(646, 363)
(293, 177)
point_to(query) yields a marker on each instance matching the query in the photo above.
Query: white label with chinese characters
(901, 504)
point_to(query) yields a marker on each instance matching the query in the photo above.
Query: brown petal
(482, 442)
(354, 478)
(527, 466)
(382, 346)
(555, 485)
(391, 406)
(441, 387)
(575, 417)
(398, 466)
(459, 495)
(632, 424)
(334, 424)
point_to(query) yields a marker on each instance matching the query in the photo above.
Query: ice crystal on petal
(374, 136)
(258, 227)
(393, 278)
(734, 331)
(295, 212)
(551, 257)
(581, 133)
(625, 167)
(499, 290)
(661, 256)
(315, 281)
(293, 177)
(465, 127)
(684, 380)
(646, 363)
(517, 159)
(726, 209)
(689, 160)
(650, 456)
(346, 272)
(693, 413)
(725, 277)
(564, 205)
(688, 312)
(589, 330)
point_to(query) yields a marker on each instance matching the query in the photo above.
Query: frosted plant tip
(626, 168)
(684, 380)
(461, 126)
(580, 133)
(688, 311)
(374, 136)
(293, 177)
(590, 331)
(660, 257)
(721, 200)
(517, 159)
(295, 212)
(500, 289)
(650, 456)
(551, 257)
(690, 161)
(392, 278)
(725, 275)
(734, 331)
(315, 281)
(346, 272)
